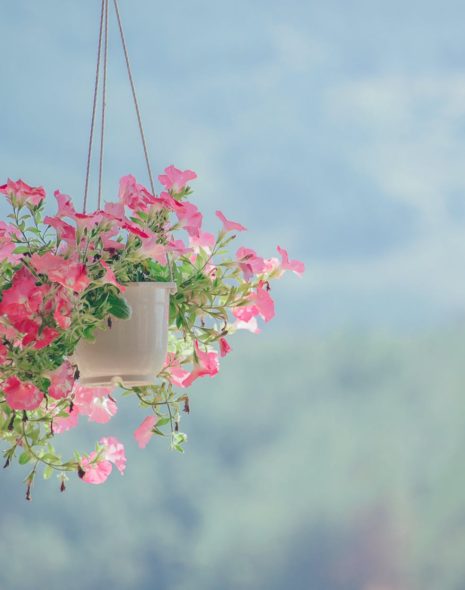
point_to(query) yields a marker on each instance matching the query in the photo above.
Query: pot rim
(162, 284)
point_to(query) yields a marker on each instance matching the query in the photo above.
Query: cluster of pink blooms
(33, 316)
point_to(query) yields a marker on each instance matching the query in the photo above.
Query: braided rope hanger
(103, 47)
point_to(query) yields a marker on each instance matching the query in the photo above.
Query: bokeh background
(329, 452)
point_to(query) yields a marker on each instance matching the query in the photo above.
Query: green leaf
(24, 458)
(119, 307)
(162, 422)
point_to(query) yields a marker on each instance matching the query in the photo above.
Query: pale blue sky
(335, 129)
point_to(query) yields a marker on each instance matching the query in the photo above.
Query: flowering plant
(63, 278)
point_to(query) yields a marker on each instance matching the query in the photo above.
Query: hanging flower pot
(135, 294)
(130, 351)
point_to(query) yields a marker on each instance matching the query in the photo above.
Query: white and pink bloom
(95, 402)
(97, 466)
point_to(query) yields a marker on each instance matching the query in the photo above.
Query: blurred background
(328, 454)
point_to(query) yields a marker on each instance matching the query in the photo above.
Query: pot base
(114, 380)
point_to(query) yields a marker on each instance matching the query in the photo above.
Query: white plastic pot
(131, 351)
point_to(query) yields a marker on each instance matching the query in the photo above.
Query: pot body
(132, 351)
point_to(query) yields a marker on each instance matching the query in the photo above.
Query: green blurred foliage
(332, 464)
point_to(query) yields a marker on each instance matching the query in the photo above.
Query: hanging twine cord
(104, 104)
(134, 96)
(103, 41)
(94, 108)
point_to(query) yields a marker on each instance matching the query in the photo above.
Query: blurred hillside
(332, 465)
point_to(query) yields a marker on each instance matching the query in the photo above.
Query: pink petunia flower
(250, 263)
(23, 298)
(109, 277)
(203, 240)
(114, 452)
(295, 265)
(61, 381)
(154, 250)
(251, 325)
(95, 402)
(143, 433)
(64, 230)
(229, 225)
(224, 347)
(176, 374)
(65, 205)
(20, 193)
(175, 179)
(63, 309)
(135, 229)
(189, 217)
(63, 424)
(67, 272)
(95, 473)
(134, 195)
(178, 247)
(260, 303)
(22, 395)
(208, 364)
(45, 337)
(7, 245)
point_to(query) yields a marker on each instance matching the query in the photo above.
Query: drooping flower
(143, 432)
(295, 265)
(175, 179)
(20, 193)
(61, 381)
(63, 424)
(67, 272)
(251, 325)
(114, 452)
(95, 402)
(208, 364)
(22, 395)
(229, 225)
(97, 472)
(224, 347)
(176, 374)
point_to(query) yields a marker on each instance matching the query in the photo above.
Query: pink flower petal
(295, 265)
(229, 225)
(143, 433)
